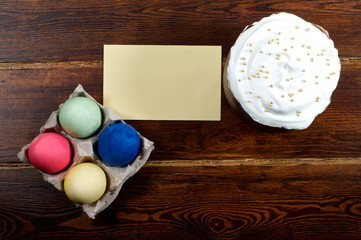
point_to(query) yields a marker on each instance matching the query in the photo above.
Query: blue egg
(118, 144)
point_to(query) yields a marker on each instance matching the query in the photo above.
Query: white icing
(283, 70)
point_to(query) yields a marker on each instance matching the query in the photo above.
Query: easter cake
(281, 72)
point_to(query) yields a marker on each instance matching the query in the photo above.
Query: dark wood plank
(299, 201)
(29, 95)
(32, 30)
(205, 180)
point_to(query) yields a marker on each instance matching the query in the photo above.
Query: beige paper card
(145, 82)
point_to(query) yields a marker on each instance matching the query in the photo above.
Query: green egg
(80, 117)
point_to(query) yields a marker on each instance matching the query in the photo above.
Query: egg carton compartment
(84, 150)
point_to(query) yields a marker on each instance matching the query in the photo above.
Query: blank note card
(146, 82)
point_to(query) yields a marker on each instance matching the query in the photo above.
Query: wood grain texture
(32, 30)
(29, 95)
(245, 202)
(205, 180)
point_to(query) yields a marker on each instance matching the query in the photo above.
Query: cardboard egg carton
(85, 150)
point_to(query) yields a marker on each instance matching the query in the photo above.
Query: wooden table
(205, 180)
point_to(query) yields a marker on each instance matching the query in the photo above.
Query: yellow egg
(85, 183)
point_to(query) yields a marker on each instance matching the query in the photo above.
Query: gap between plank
(49, 65)
(94, 64)
(226, 162)
(251, 162)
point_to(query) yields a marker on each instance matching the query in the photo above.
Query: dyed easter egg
(50, 152)
(85, 183)
(118, 144)
(80, 117)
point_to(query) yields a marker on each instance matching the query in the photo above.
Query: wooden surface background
(205, 180)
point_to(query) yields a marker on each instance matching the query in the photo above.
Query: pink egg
(50, 152)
